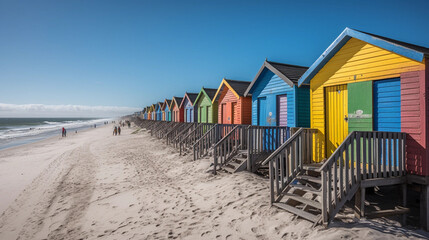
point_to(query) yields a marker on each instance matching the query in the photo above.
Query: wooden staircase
(237, 163)
(302, 196)
(317, 192)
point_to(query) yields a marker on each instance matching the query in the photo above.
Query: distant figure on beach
(95, 125)
(63, 133)
(115, 131)
(119, 130)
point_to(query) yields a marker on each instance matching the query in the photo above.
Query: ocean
(19, 131)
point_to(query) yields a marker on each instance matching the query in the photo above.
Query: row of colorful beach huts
(355, 119)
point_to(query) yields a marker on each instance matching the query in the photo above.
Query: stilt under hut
(368, 105)
(207, 110)
(166, 116)
(187, 104)
(176, 110)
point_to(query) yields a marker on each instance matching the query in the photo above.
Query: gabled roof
(167, 102)
(159, 105)
(208, 92)
(237, 87)
(153, 107)
(289, 73)
(404, 49)
(177, 101)
(191, 98)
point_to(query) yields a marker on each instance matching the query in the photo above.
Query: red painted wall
(239, 110)
(178, 113)
(414, 113)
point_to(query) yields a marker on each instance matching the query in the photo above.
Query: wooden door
(262, 111)
(224, 114)
(336, 117)
(233, 112)
(282, 110)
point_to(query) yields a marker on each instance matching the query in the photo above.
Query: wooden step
(239, 159)
(312, 167)
(229, 169)
(299, 212)
(303, 200)
(306, 189)
(309, 179)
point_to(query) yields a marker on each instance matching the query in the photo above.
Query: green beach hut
(207, 111)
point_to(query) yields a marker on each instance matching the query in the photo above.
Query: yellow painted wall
(357, 61)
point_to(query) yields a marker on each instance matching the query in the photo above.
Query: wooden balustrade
(233, 141)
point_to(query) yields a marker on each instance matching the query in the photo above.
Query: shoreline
(20, 157)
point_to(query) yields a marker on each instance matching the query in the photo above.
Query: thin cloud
(42, 110)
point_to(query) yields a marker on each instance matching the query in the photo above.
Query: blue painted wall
(158, 113)
(387, 105)
(270, 85)
(302, 106)
(191, 113)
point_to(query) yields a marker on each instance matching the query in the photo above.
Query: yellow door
(336, 117)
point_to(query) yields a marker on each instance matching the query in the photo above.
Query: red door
(224, 113)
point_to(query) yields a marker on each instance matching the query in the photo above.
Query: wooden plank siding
(413, 120)
(241, 107)
(205, 102)
(356, 61)
(270, 85)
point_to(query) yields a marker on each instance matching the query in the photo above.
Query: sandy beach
(94, 185)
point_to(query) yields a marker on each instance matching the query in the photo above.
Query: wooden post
(424, 206)
(404, 202)
(359, 208)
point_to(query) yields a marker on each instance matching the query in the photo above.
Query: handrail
(229, 144)
(332, 157)
(362, 155)
(283, 146)
(205, 142)
(225, 137)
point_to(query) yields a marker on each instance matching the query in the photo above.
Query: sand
(95, 185)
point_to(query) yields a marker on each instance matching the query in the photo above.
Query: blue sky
(134, 53)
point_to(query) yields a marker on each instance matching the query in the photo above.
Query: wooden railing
(203, 145)
(235, 140)
(156, 127)
(163, 131)
(361, 156)
(263, 140)
(193, 136)
(179, 137)
(287, 161)
(171, 135)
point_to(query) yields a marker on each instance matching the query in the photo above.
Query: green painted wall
(205, 103)
(360, 109)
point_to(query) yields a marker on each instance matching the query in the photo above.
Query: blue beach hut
(190, 113)
(276, 98)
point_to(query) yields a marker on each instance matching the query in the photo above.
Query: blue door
(387, 105)
(387, 115)
(262, 111)
(191, 115)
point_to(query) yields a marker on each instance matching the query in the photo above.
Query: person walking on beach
(63, 131)
(115, 131)
(119, 130)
